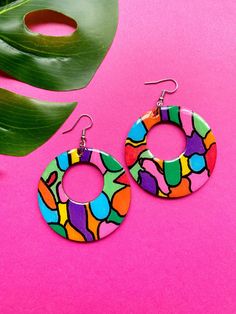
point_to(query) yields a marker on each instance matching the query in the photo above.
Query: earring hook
(76, 123)
(165, 91)
(82, 146)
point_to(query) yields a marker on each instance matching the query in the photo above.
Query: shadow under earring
(91, 221)
(183, 175)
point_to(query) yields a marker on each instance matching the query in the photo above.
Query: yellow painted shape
(162, 194)
(160, 162)
(63, 213)
(128, 141)
(184, 165)
(75, 158)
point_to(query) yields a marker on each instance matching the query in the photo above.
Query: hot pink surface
(169, 256)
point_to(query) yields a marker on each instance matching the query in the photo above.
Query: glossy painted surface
(84, 222)
(180, 176)
(169, 257)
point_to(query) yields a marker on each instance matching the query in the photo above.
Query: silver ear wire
(84, 130)
(165, 91)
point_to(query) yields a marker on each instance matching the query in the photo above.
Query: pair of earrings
(91, 221)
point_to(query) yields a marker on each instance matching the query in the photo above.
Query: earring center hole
(83, 182)
(166, 141)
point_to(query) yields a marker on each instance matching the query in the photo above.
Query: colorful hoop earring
(91, 221)
(183, 175)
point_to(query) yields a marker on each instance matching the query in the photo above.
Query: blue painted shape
(197, 163)
(100, 207)
(138, 131)
(63, 161)
(48, 214)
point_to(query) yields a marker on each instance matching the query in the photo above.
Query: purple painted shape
(194, 145)
(164, 113)
(148, 183)
(86, 156)
(78, 218)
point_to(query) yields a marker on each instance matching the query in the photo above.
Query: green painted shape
(110, 187)
(200, 125)
(174, 114)
(146, 154)
(134, 171)
(51, 168)
(50, 62)
(172, 172)
(137, 167)
(25, 124)
(114, 217)
(110, 163)
(58, 229)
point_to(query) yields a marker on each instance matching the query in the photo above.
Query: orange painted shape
(181, 190)
(209, 139)
(151, 118)
(73, 234)
(121, 201)
(47, 195)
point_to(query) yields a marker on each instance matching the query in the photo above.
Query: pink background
(169, 256)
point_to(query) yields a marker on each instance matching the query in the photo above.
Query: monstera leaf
(5, 2)
(56, 63)
(25, 124)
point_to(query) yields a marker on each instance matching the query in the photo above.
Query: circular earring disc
(91, 221)
(178, 177)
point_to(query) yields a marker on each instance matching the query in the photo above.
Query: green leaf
(5, 2)
(25, 123)
(56, 63)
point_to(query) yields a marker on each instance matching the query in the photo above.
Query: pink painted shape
(106, 228)
(150, 167)
(186, 118)
(62, 195)
(174, 256)
(197, 180)
(96, 160)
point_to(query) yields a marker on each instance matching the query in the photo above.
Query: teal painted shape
(197, 162)
(63, 161)
(100, 207)
(138, 131)
(48, 214)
